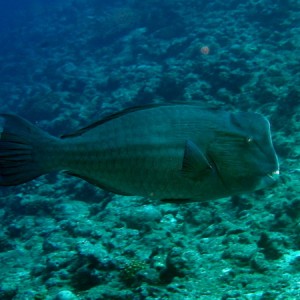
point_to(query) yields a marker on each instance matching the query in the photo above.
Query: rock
(65, 295)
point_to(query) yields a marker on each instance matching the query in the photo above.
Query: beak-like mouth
(268, 180)
(274, 175)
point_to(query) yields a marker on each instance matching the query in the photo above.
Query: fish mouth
(274, 175)
(268, 180)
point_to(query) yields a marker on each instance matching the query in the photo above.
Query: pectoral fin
(195, 165)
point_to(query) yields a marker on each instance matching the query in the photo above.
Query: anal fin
(99, 184)
(176, 201)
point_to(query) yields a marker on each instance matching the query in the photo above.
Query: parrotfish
(176, 152)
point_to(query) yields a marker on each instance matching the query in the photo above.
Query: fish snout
(268, 180)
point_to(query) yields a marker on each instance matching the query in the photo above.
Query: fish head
(243, 153)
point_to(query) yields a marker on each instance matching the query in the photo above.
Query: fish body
(172, 152)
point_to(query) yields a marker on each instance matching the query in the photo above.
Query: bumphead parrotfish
(176, 152)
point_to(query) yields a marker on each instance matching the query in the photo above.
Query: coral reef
(67, 63)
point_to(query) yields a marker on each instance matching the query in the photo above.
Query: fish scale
(177, 152)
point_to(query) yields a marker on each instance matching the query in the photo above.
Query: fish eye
(249, 140)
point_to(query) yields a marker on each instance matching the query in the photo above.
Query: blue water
(65, 64)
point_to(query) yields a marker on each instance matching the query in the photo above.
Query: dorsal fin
(130, 110)
(105, 119)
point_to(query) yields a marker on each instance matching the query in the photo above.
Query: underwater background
(64, 64)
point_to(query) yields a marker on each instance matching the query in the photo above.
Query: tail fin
(18, 163)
